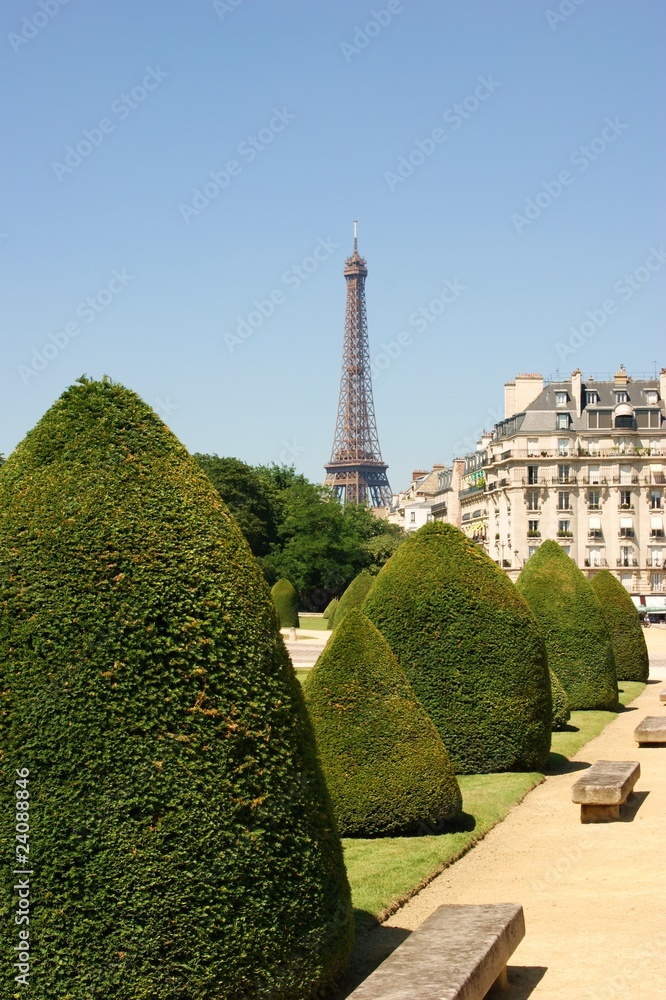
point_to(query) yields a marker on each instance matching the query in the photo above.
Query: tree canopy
(299, 530)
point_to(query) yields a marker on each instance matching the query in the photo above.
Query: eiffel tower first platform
(356, 472)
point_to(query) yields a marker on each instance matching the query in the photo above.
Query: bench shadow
(374, 943)
(523, 980)
(557, 763)
(626, 708)
(631, 806)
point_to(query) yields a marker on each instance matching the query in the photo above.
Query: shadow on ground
(632, 805)
(523, 980)
(559, 764)
(371, 948)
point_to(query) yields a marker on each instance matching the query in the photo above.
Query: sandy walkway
(594, 895)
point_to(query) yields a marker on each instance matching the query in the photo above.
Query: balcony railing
(471, 490)
(596, 563)
(565, 534)
(655, 563)
(570, 480)
(626, 563)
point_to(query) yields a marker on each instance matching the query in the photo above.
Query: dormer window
(621, 396)
(561, 398)
(562, 421)
(651, 397)
(591, 397)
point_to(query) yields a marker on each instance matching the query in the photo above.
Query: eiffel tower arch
(356, 471)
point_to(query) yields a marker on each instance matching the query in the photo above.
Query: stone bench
(604, 788)
(651, 730)
(458, 953)
(662, 696)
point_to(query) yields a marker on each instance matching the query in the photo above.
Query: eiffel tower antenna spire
(356, 471)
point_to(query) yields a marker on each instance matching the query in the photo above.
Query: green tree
(580, 652)
(385, 765)
(561, 708)
(246, 495)
(184, 835)
(470, 648)
(285, 600)
(632, 661)
(354, 595)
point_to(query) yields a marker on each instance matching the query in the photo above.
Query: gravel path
(594, 895)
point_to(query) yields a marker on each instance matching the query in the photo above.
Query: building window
(594, 499)
(566, 549)
(625, 499)
(563, 473)
(593, 446)
(591, 397)
(563, 500)
(562, 421)
(412, 516)
(626, 527)
(532, 447)
(655, 499)
(656, 582)
(621, 396)
(561, 398)
(651, 397)
(594, 475)
(533, 527)
(531, 550)
(624, 420)
(598, 418)
(532, 473)
(532, 500)
(656, 526)
(564, 526)
(594, 557)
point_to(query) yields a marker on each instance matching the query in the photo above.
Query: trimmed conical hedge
(561, 708)
(384, 762)
(354, 595)
(329, 611)
(285, 600)
(579, 646)
(632, 662)
(180, 827)
(470, 648)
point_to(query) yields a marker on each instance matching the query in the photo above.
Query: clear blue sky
(170, 91)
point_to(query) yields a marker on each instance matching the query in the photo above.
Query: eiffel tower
(356, 472)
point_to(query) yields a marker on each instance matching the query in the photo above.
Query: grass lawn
(301, 673)
(385, 871)
(306, 621)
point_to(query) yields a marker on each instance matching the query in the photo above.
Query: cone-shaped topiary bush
(329, 611)
(632, 662)
(561, 709)
(384, 762)
(354, 595)
(285, 600)
(579, 646)
(180, 827)
(470, 648)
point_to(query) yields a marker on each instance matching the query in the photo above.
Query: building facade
(581, 461)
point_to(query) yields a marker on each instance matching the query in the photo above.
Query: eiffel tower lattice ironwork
(356, 471)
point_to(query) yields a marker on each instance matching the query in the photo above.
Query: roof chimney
(662, 383)
(577, 391)
(621, 376)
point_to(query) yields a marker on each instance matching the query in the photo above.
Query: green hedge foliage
(621, 616)
(354, 595)
(285, 600)
(561, 708)
(384, 762)
(579, 646)
(470, 648)
(181, 830)
(329, 611)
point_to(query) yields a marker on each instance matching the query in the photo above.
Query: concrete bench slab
(651, 730)
(604, 788)
(458, 953)
(662, 696)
